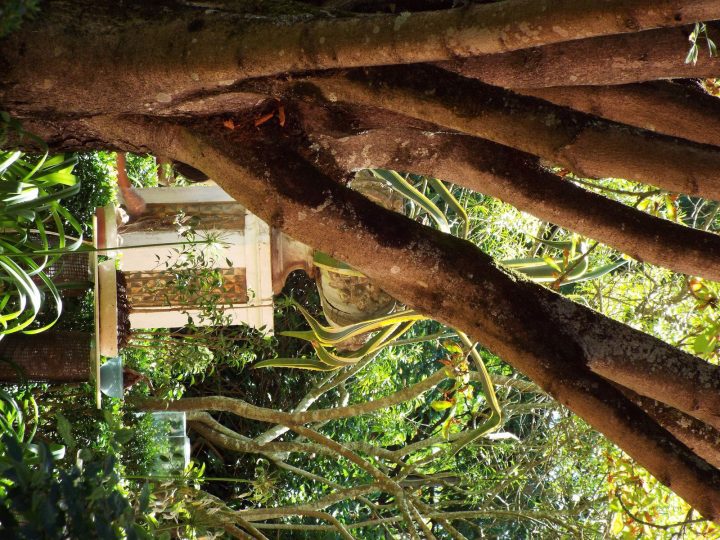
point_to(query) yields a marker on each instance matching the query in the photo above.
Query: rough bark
(510, 175)
(444, 277)
(698, 436)
(183, 51)
(663, 107)
(608, 60)
(583, 144)
(691, 385)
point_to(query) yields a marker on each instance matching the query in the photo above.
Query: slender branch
(383, 480)
(250, 527)
(403, 506)
(246, 410)
(664, 527)
(328, 383)
(259, 514)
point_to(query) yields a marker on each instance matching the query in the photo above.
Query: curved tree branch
(246, 410)
(193, 51)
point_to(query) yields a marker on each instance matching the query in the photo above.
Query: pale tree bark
(444, 277)
(510, 175)
(663, 107)
(585, 145)
(246, 410)
(608, 60)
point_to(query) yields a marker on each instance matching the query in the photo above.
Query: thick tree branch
(583, 144)
(702, 439)
(691, 385)
(516, 178)
(663, 107)
(444, 277)
(608, 60)
(196, 51)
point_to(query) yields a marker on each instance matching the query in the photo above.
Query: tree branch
(195, 51)
(663, 107)
(607, 60)
(701, 438)
(516, 178)
(246, 410)
(585, 145)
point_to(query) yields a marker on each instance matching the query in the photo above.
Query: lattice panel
(228, 216)
(153, 289)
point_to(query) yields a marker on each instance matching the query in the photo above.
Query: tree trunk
(55, 357)
(607, 60)
(182, 60)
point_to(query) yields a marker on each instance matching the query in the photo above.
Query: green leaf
(311, 364)
(441, 405)
(323, 260)
(552, 263)
(407, 190)
(331, 335)
(65, 431)
(705, 343)
(712, 48)
(144, 500)
(57, 451)
(453, 203)
(598, 272)
(452, 347)
(445, 430)
(124, 435)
